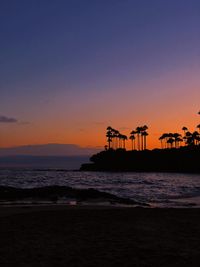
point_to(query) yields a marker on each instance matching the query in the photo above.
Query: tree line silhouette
(117, 140)
(138, 138)
(179, 153)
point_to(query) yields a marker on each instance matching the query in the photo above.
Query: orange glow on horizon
(84, 122)
(90, 137)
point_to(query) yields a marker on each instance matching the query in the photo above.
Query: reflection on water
(159, 189)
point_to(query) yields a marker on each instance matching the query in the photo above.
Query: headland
(183, 159)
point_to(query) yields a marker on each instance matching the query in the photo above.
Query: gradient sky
(70, 68)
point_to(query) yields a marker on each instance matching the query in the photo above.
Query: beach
(61, 235)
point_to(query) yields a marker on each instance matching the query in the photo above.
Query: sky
(70, 68)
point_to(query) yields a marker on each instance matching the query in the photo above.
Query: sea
(159, 190)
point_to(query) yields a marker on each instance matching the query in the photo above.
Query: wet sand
(99, 236)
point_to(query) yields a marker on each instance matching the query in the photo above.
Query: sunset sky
(70, 68)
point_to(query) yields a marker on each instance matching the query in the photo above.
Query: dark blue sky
(85, 50)
(77, 39)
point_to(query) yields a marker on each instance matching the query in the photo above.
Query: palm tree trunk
(145, 142)
(138, 141)
(142, 143)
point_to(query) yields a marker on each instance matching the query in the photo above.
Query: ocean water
(157, 189)
(43, 162)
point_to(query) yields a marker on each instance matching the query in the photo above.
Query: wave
(60, 194)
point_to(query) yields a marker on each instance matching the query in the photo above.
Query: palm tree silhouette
(161, 138)
(132, 138)
(120, 139)
(124, 138)
(189, 138)
(114, 137)
(109, 136)
(145, 134)
(164, 137)
(170, 141)
(198, 127)
(177, 137)
(195, 136)
(138, 132)
(184, 129)
(171, 138)
(179, 140)
(116, 133)
(167, 136)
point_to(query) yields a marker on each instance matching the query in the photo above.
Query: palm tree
(195, 136)
(176, 139)
(124, 138)
(132, 133)
(144, 128)
(161, 138)
(188, 138)
(120, 139)
(117, 138)
(143, 136)
(138, 132)
(198, 127)
(164, 137)
(198, 139)
(170, 137)
(170, 141)
(109, 136)
(179, 140)
(132, 138)
(184, 129)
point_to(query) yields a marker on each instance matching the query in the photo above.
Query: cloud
(4, 119)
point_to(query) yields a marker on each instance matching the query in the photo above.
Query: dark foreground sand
(97, 236)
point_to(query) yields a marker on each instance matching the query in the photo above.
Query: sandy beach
(99, 236)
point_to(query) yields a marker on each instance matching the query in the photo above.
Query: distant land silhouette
(47, 156)
(48, 150)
